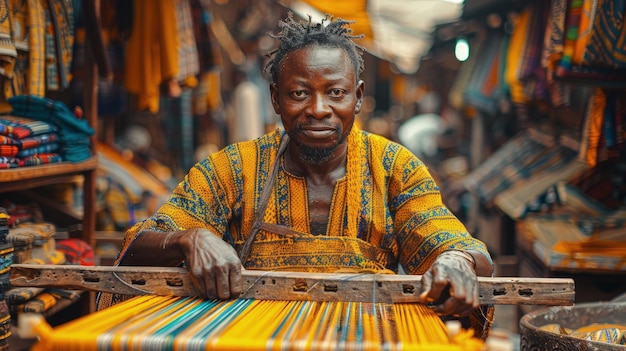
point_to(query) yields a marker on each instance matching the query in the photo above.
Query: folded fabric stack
(34, 243)
(73, 131)
(6, 260)
(42, 243)
(27, 142)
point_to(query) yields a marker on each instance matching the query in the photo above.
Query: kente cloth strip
(28, 147)
(20, 127)
(182, 323)
(34, 160)
(386, 211)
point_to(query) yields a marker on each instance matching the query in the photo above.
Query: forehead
(317, 59)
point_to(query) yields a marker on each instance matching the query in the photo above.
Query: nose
(319, 107)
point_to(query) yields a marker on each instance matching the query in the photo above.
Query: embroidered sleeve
(424, 226)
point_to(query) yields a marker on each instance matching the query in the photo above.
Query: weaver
(152, 322)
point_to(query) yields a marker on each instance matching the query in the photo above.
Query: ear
(360, 91)
(274, 97)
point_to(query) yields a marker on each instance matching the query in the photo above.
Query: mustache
(302, 126)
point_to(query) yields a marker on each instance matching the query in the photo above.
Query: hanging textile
(188, 65)
(152, 51)
(455, 95)
(593, 128)
(36, 60)
(524, 74)
(607, 42)
(553, 51)
(486, 87)
(59, 43)
(585, 29)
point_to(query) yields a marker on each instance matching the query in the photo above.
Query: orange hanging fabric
(152, 51)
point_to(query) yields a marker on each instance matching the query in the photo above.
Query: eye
(337, 93)
(299, 94)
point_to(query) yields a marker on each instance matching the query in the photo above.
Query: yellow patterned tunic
(386, 211)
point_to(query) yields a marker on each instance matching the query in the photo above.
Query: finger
(236, 281)
(209, 284)
(465, 311)
(222, 282)
(426, 285)
(467, 292)
(475, 295)
(197, 284)
(465, 299)
(439, 285)
(449, 307)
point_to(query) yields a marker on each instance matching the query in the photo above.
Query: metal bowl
(574, 317)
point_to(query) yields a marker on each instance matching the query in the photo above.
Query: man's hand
(451, 285)
(213, 264)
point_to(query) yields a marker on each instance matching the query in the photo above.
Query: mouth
(318, 132)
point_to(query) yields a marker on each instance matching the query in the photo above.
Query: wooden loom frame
(293, 286)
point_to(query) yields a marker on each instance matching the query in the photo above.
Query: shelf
(34, 176)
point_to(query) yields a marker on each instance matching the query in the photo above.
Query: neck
(327, 172)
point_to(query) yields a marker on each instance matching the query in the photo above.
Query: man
(320, 196)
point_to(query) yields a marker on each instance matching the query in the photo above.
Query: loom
(276, 311)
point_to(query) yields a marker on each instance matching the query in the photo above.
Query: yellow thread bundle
(178, 323)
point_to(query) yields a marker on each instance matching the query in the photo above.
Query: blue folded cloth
(41, 108)
(73, 132)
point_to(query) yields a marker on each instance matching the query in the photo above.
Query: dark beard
(316, 155)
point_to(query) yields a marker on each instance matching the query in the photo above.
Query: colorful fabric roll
(40, 159)
(76, 251)
(29, 142)
(20, 127)
(46, 300)
(17, 296)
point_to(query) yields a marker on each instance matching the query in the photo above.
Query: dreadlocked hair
(295, 35)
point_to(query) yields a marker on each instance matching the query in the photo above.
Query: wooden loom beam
(298, 286)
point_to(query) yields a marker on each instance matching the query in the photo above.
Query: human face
(317, 96)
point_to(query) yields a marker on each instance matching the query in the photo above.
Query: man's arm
(483, 265)
(151, 248)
